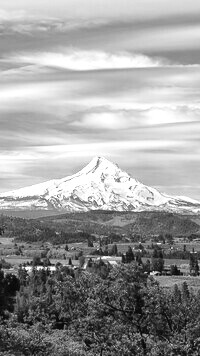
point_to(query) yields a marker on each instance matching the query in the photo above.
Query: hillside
(77, 226)
(124, 222)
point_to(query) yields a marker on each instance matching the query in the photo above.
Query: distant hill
(78, 226)
(102, 222)
(28, 214)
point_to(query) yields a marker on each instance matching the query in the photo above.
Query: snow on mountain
(100, 185)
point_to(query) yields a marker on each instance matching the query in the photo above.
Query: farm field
(6, 240)
(170, 281)
(16, 261)
(22, 252)
(8, 250)
(22, 259)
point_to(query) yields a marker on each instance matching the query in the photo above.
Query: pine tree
(194, 267)
(155, 253)
(185, 291)
(177, 294)
(157, 260)
(147, 266)
(90, 243)
(123, 258)
(106, 250)
(129, 255)
(114, 251)
(139, 259)
(66, 248)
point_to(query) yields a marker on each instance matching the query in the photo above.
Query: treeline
(33, 230)
(9, 285)
(171, 253)
(80, 313)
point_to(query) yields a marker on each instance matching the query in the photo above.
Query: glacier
(101, 185)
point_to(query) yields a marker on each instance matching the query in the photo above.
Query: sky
(112, 78)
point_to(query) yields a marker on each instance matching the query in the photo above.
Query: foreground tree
(9, 285)
(157, 260)
(122, 312)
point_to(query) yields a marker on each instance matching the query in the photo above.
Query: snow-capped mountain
(100, 185)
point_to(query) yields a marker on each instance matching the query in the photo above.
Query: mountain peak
(98, 162)
(100, 185)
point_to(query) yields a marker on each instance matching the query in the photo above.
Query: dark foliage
(9, 284)
(81, 313)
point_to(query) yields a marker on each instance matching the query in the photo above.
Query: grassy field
(173, 261)
(16, 261)
(170, 281)
(8, 252)
(6, 241)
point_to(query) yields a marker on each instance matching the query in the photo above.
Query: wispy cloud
(108, 119)
(87, 60)
(23, 22)
(13, 15)
(168, 37)
(119, 79)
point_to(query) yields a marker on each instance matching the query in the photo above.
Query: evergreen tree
(185, 291)
(177, 294)
(147, 266)
(139, 259)
(114, 251)
(37, 261)
(123, 258)
(155, 253)
(89, 263)
(106, 250)
(174, 270)
(66, 247)
(130, 255)
(157, 260)
(81, 261)
(90, 243)
(194, 267)
(169, 239)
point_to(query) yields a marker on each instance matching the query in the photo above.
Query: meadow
(170, 281)
(20, 253)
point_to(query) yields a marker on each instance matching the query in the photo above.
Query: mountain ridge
(100, 185)
(128, 223)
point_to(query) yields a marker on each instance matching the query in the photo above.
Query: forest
(106, 312)
(78, 226)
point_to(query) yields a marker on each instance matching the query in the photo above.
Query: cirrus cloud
(80, 60)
